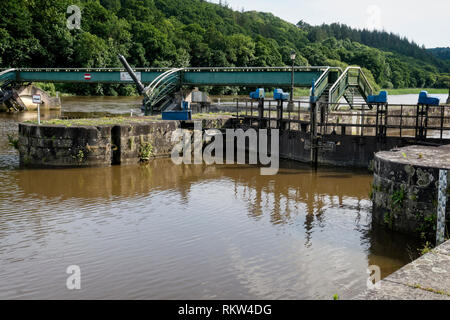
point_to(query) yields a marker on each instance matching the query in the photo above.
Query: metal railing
(7, 75)
(400, 120)
(162, 69)
(322, 83)
(351, 77)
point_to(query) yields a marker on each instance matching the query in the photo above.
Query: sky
(425, 22)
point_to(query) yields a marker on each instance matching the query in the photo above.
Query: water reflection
(191, 231)
(167, 231)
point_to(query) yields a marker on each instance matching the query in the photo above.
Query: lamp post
(291, 103)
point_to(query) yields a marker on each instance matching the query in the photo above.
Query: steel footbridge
(328, 84)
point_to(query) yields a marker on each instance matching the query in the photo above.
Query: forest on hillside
(441, 53)
(175, 33)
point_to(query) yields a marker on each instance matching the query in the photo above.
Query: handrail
(150, 69)
(5, 72)
(318, 87)
(320, 84)
(341, 84)
(160, 86)
(366, 82)
(159, 78)
(338, 82)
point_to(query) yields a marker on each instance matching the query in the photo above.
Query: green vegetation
(417, 91)
(427, 247)
(418, 286)
(173, 33)
(95, 121)
(145, 151)
(441, 53)
(335, 296)
(211, 115)
(396, 205)
(120, 120)
(13, 141)
(79, 156)
(427, 225)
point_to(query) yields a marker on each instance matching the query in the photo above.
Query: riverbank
(401, 91)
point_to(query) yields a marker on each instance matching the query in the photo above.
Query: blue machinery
(184, 114)
(423, 105)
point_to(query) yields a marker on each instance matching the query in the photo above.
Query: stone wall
(60, 146)
(88, 146)
(405, 188)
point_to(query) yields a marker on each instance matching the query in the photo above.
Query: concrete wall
(345, 150)
(51, 146)
(87, 146)
(404, 194)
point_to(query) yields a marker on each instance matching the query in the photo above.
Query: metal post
(292, 83)
(448, 98)
(291, 103)
(442, 201)
(279, 114)
(139, 84)
(313, 134)
(39, 113)
(260, 111)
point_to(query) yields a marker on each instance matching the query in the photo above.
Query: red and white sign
(87, 76)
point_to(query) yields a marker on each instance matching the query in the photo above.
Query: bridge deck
(269, 76)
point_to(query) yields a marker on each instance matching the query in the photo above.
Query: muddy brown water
(163, 231)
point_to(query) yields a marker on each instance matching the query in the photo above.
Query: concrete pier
(427, 278)
(405, 188)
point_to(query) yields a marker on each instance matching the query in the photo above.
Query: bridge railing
(162, 85)
(339, 87)
(322, 83)
(163, 69)
(364, 84)
(351, 77)
(7, 75)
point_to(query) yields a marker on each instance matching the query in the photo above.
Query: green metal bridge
(328, 84)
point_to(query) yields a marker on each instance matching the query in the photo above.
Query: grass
(94, 121)
(416, 90)
(119, 120)
(13, 141)
(298, 92)
(205, 115)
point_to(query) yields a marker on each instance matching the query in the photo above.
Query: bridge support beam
(279, 114)
(313, 131)
(421, 122)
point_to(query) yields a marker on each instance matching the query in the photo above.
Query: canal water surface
(164, 231)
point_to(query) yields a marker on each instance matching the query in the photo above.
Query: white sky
(425, 22)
